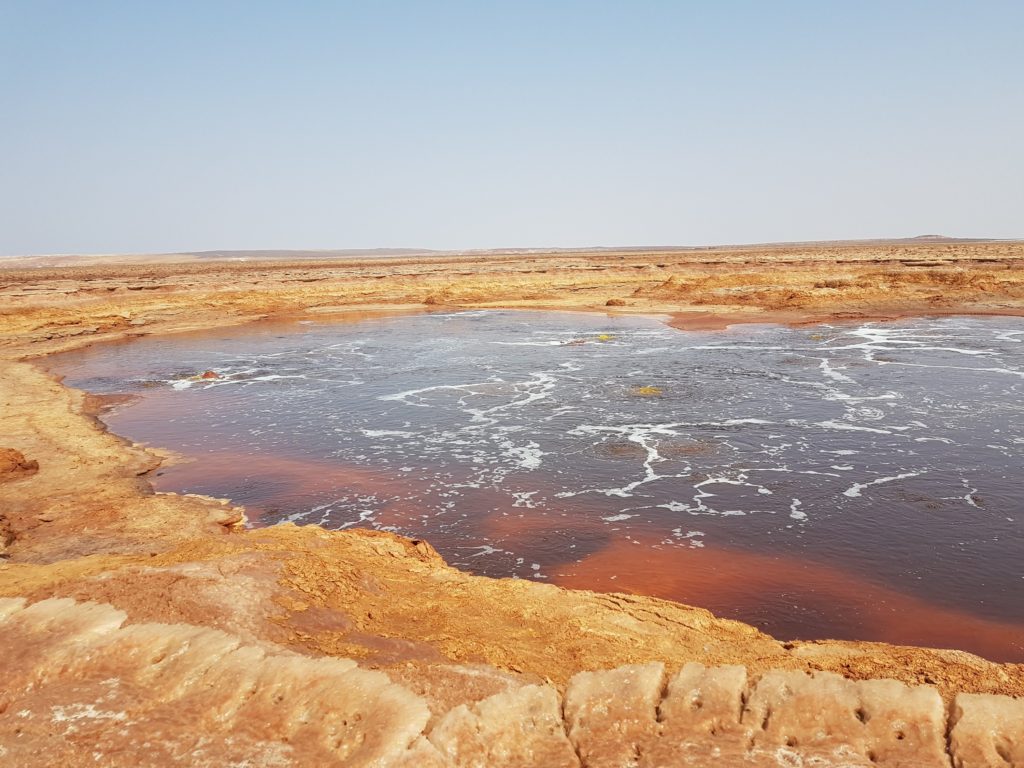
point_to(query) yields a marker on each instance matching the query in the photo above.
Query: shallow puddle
(848, 481)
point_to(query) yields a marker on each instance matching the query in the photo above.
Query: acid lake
(849, 481)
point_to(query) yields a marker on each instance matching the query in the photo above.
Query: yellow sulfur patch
(646, 391)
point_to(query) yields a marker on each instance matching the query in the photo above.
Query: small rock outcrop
(14, 465)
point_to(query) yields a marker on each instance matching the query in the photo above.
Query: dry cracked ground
(150, 629)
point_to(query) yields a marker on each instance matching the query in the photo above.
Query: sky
(174, 126)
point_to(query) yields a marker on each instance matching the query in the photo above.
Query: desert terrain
(144, 628)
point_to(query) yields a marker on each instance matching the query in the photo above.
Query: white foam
(528, 343)
(365, 515)
(485, 549)
(403, 397)
(527, 456)
(855, 490)
(692, 537)
(267, 377)
(831, 373)
(743, 347)
(387, 433)
(795, 512)
(842, 426)
(524, 499)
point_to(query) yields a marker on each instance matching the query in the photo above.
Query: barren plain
(145, 628)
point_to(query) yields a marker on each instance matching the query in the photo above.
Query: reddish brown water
(848, 482)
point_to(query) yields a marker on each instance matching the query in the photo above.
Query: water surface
(840, 481)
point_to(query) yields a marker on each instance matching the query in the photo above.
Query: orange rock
(13, 465)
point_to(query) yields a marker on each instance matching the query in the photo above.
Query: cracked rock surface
(84, 688)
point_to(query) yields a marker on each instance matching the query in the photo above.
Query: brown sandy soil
(232, 637)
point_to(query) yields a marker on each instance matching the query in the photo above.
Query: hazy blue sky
(155, 126)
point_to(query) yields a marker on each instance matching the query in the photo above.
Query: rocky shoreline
(174, 597)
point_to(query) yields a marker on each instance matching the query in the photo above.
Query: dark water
(848, 481)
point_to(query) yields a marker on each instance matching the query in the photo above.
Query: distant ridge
(310, 254)
(58, 260)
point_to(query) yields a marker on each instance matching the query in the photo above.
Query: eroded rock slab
(711, 717)
(612, 714)
(518, 728)
(82, 689)
(699, 718)
(987, 731)
(828, 717)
